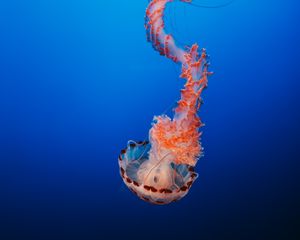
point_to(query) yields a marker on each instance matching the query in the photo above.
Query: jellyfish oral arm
(156, 34)
(180, 134)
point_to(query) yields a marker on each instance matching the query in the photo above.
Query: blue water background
(78, 80)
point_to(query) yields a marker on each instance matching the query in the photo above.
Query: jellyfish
(161, 169)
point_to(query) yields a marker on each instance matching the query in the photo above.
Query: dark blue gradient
(78, 80)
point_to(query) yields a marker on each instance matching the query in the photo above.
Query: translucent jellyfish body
(162, 170)
(157, 181)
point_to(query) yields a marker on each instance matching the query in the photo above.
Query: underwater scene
(150, 119)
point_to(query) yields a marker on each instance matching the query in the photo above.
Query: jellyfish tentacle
(210, 6)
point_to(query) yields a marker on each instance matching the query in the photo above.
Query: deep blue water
(78, 79)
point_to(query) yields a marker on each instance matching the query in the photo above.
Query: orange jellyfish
(161, 170)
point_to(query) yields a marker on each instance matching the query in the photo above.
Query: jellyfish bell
(155, 179)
